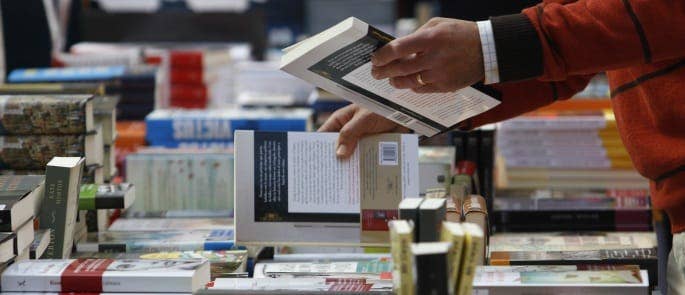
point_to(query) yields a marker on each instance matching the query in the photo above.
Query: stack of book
(192, 73)
(136, 86)
(215, 128)
(20, 199)
(181, 179)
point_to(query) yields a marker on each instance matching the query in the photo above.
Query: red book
(188, 92)
(188, 104)
(187, 76)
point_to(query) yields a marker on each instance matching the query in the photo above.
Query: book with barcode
(293, 188)
(338, 60)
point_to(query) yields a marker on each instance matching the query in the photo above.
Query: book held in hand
(338, 60)
(293, 189)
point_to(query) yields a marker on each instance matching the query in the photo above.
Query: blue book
(178, 128)
(121, 77)
(164, 241)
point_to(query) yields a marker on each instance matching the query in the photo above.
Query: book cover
(19, 195)
(453, 233)
(376, 269)
(282, 203)
(44, 114)
(474, 244)
(171, 128)
(7, 241)
(338, 60)
(571, 241)
(106, 196)
(222, 263)
(431, 216)
(60, 205)
(106, 275)
(401, 239)
(430, 268)
(572, 220)
(195, 240)
(33, 152)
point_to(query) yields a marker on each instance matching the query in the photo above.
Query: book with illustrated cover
(106, 196)
(106, 275)
(338, 60)
(195, 240)
(229, 263)
(298, 286)
(60, 205)
(293, 189)
(33, 152)
(19, 196)
(44, 114)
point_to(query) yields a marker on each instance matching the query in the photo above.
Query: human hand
(443, 55)
(353, 123)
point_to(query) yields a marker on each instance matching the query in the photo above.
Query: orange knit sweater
(550, 51)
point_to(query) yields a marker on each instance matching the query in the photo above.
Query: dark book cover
(431, 268)
(576, 220)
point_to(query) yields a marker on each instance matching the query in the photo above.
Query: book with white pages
(339, 61)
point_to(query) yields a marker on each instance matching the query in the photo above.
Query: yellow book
(474, 242)
(401, 239)
(453, 233)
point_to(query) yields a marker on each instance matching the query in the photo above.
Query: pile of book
(192, 74)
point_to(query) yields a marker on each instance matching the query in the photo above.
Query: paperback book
(194, 240)
(43, 114)
(20, 196)
(338, 60)
(106, 275)
(294, 190)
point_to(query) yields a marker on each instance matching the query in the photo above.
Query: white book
(292, 189)
(338, 60)
(106, 275)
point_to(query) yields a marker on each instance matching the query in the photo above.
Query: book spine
(17, 152)
(403, 279)
(599, 220)
(473, 247)
(186, 59)
(53, 213)
(187, 76)
(23, 115)
(6, 220)
(199, 129)
(431, 274)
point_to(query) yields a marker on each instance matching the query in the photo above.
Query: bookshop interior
(409, 147)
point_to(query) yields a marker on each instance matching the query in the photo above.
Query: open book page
(319, 182)
(447, 109)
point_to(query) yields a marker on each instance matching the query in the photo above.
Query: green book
(106, 196)
(60, 204)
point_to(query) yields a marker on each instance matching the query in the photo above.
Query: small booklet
(339, 61)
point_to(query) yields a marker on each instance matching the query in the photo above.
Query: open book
(292, 189)
(339, 61)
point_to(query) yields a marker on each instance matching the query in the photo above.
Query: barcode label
(387, 153)
(401, 118)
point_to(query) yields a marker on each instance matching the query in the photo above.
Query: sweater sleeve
(525, 96)
(558, 39)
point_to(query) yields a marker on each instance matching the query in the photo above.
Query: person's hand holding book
(354, 122)
(444, 55)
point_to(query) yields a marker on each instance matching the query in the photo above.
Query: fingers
(350, 135)
(402, 67)
(412, 81)
(399, 48)
(338, 119)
